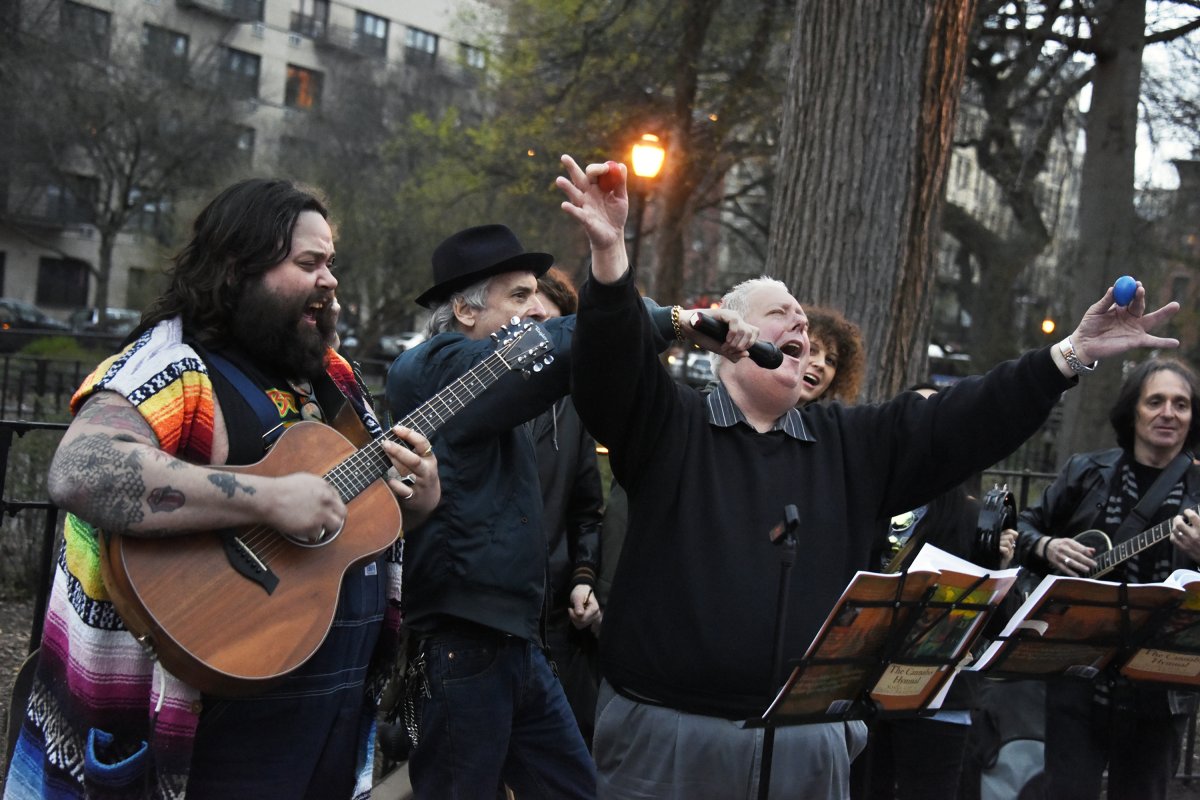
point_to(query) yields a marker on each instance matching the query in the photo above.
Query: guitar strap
(1139, 519)
(255, 397)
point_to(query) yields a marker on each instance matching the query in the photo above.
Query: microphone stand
(783, 534)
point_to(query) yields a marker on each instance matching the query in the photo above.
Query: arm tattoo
(120, 418)
(108, 481)
(165, 498)
(228, 484)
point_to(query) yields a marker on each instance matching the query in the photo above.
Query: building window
(372, 33)
(303, 88)
(241, 144)
(473, 57)
(239, 73)
(420, 47)
(62, 283)
(85, 29)
(248, 10)
(165, 51)
(312, 19)
(151, 215)
(67, 201)
(243, 141)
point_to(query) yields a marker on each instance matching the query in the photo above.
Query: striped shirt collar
(723, 413)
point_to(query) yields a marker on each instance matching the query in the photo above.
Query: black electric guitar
(231, 611)
(1108, 557)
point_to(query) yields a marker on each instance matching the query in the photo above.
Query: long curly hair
(840, 334)
(243, 232)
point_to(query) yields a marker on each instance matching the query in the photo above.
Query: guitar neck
(1107, 561)
(356, 473)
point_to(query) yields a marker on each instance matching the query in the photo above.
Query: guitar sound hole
(326, 537)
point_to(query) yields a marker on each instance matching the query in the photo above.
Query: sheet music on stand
(1077, 627)
(892, 643)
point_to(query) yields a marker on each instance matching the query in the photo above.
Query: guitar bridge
(246, 562)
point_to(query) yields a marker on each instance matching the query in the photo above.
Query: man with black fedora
(488, 708)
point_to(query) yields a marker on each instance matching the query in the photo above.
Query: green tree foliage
(588, 78)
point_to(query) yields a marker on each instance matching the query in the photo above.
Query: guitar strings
(350, 478)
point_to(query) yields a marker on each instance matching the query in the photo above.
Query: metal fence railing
(11, 509)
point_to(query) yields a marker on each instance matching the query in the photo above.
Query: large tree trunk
(1106, 214)
(867, 126)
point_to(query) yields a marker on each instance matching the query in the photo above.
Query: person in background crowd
(687, 645)
(572, 501)
(244, 325)
(836, 358)
(1132, 731)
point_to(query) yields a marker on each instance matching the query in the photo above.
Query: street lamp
(648, 155)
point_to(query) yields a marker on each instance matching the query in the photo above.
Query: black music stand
(902, 641)
(1076, 634)
(784, 535)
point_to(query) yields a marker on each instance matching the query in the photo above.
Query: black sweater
(690, 620)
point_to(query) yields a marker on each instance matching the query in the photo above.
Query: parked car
(698, 368)
(119, 321)
(393, 344)
(19, 315)
(22, 323)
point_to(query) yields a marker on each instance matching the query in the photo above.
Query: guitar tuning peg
(548, 360)
(537, 367)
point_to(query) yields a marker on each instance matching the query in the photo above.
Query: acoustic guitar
(1108, 557)
(232, 611)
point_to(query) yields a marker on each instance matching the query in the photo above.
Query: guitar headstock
(524, 345)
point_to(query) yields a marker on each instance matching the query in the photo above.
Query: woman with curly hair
(836, 357)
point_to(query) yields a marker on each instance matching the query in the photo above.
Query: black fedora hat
(471, 255)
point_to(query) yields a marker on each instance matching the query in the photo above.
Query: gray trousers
(648, 752)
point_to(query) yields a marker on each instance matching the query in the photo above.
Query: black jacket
(1075, 503)
(571, 497)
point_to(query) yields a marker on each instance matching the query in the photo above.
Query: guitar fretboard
(356, 473)
(1123, 551)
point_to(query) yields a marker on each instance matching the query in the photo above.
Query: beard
(270, 329)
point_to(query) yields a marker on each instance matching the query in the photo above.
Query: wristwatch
(1068, 352)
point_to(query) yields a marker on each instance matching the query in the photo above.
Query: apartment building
(280, 62)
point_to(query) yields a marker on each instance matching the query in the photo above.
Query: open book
(892, 642)
(1079, 626)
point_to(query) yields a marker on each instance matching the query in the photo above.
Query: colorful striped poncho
(95, 685)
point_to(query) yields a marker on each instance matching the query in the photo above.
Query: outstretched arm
(1107, 330)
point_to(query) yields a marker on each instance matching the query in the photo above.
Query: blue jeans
(495, 714)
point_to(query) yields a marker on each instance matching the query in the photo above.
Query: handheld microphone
(765, 354)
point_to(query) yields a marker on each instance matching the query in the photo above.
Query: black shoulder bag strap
(1139, 519)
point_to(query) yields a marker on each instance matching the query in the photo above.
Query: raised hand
(1107, 329)
(600, 212)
